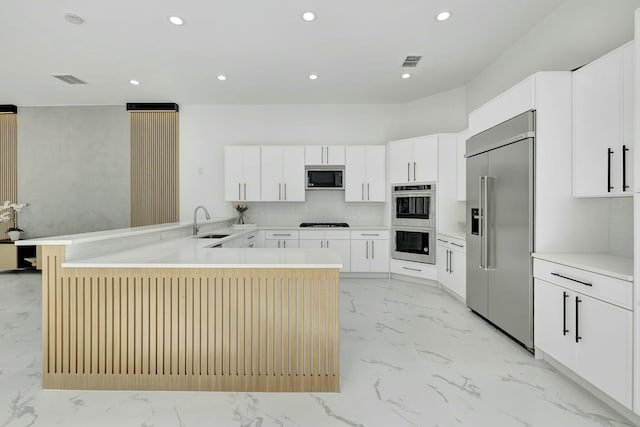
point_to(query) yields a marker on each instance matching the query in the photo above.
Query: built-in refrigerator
(500, 225)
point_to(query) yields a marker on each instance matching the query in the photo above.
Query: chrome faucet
(195, 218)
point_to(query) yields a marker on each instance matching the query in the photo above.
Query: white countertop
(602, 263)
(112, 234)
(461, 235)
(350, 228)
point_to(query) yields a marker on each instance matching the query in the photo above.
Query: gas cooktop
(324, 224)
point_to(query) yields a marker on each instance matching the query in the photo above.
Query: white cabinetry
(282, 173)
(603, 125)
(365, 173)
(591, 336)
(370, 251)
(449, 208)
(461, 165)
(315, 155)
(336, 240)
(452, 264)
(281, 239)
(413, 160)
(242, 173)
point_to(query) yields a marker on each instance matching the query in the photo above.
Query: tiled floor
(411, 355)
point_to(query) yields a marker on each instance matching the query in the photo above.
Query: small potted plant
(9, 213)
(241, 209)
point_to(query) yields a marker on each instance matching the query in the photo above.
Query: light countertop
(461, 235)
(602, 263)
(350, 228)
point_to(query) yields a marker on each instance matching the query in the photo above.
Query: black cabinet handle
(624, 168)
(564, 313)
(609, 153)
(578, 301)
(573, 280)
(450, 261)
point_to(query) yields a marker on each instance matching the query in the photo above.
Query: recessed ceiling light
(313, 77)
(222, 78)
(134, 82)
(176, 20)
(72, 18)
(406, 75)
(308, 16)
(443, 16)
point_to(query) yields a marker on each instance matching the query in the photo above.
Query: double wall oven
(413, 223)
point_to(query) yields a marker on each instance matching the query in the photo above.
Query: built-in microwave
(414, 205)
(325, 179)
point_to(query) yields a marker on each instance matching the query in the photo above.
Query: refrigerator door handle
(481, 220)
(485, 223)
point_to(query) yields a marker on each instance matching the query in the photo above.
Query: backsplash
(621, 226)
(320, 206)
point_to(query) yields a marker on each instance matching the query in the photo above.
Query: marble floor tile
(411, 355)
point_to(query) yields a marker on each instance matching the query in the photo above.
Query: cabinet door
(314, 155)
(425, 159)
(311, 243)
(628, 94)
(360, 253)
(355, 174)
(458, 273)
(442, 256)
(272, 244)
(553, 321)
(293, 174)
(271, 174)
(379, 256)
(462, 165)
(251, 172)
(343, 247)
(597, 115)
(603, 355)
(400, 165)
(376, 189)
(334, 155)
(233, 176)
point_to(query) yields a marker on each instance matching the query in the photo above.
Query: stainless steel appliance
(324, 224)
(500, 224)
(414, 205)
(414, 244)
(325, 179)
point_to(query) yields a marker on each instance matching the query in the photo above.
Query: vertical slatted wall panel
(154, 167)
(8, 163)
(181, 329)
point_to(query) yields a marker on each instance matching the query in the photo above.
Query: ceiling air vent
(411, 61)
(69, 79)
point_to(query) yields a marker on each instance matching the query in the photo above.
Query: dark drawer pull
(444, 241)
(455, 244)
(281, 234)
(369, 234)
(412, 269)
(573, 280)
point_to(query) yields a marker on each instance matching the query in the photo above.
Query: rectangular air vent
(69, 79)
(411, 61)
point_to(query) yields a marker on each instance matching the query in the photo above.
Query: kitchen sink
(213, 236)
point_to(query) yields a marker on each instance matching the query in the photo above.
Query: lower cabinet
(591, 337)
(343, 247)
(281, 239)
(281, 243)
(451, 260)
(370, 251)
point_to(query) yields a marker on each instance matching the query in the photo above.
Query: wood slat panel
(154, 167)
(8, 164)
(189, 329)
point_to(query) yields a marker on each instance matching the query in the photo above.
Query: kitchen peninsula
(154, 308)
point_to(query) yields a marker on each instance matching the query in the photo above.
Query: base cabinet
(281, 243)
(591, 337)
(451, 260)
(370, 251)
(343, 247)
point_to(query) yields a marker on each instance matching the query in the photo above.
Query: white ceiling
(263, 46)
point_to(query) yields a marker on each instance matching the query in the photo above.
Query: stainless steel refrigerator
(500, 225)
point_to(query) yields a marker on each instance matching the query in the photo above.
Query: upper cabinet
(330, 155)
(282, 174)
(242, 173)
(603, 108)
(413, 160)
(365, 173)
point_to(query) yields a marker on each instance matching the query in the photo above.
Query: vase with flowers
(9, 213)
(241, 209)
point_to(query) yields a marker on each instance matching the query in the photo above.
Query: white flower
(4, 217)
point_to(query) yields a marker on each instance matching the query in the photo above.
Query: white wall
(73, 169)
(206, 129)
(574, 34)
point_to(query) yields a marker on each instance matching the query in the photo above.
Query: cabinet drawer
(605, 288)
(452, 243)
(370, 235)
(414, 269)
(324, 234)
(281, 234)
